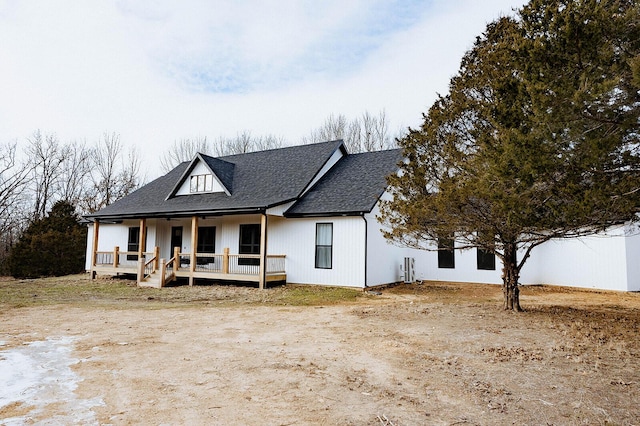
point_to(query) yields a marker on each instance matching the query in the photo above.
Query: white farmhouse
(308, 214)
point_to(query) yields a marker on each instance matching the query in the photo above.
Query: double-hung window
(324, 245)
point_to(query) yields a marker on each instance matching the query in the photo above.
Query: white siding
(590, 262)
(597, 261)
(383, 259)
(230, 231)
(466, 268)
(117, 234)
(163, 238)
(296, 239)
(633, 257)
(603, 261)
(88, 253)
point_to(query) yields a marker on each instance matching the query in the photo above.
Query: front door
(176, 239)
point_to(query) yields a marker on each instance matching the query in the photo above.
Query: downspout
(366, 236)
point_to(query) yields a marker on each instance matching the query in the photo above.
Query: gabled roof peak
(222, 172)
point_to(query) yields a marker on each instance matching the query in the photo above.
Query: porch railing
(244, 264)
(168, 270)
(239, 264)
(146, 268)
(275, 264)
(209, 262)
(150, 263)
(117, 258)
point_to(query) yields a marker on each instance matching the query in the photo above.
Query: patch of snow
(40, 374)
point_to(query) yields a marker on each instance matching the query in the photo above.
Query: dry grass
(79, 290)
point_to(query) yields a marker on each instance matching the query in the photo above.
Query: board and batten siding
(229, 231)
(384, 260)
(633, 257)
(599, 261)
(117, 234)
(296, 238)
(466, 268)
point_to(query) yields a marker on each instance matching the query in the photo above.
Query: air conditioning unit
(409, 270)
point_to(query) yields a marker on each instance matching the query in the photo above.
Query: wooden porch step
(151, 281)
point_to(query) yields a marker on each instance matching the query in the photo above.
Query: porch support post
(225, 261)
(163, 272)
(94, 248)
(143, 238)
(194, 247)
(263, 252)
(116, 256)
(176, 260)
(156, 256)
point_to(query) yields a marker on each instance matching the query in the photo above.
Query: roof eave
(326, 214)
(176, 214)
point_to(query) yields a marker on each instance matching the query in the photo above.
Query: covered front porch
(193, 259)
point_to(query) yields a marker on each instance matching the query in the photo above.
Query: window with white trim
(324, 245)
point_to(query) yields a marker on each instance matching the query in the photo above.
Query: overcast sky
(159, 71)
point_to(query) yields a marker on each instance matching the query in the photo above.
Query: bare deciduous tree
(333, 128)
(45, 155)
(183, 150)
(263, 143)
(74, 174)
(365, 133)
(113, 176)
(244, 142)
(14, 177)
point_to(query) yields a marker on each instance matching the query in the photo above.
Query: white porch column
(263, 252)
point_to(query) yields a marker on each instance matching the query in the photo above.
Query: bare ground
(434, 354)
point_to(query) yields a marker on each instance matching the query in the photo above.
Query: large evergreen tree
(52, 246)
(537, 139)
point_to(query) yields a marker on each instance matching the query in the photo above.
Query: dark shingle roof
(256, 181)
(353, 186)
(222, 169)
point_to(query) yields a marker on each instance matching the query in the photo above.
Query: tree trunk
(510, 277)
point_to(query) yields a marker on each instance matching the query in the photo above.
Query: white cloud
(157, 71)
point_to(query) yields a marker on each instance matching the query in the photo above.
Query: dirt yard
(427, 354)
